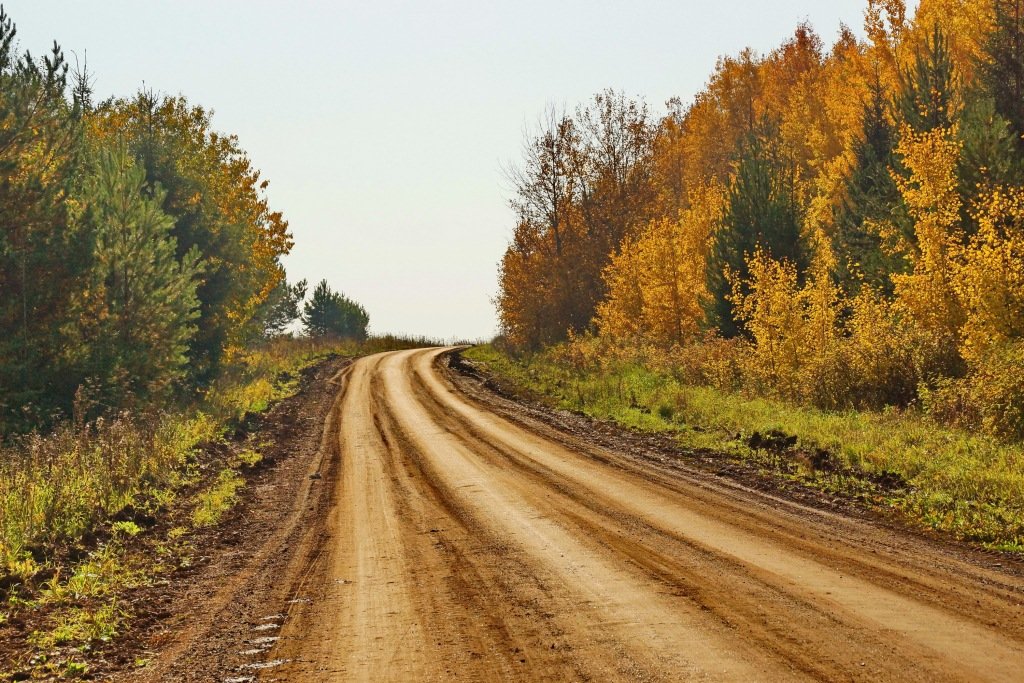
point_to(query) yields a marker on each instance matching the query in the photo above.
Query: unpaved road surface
(464, 541)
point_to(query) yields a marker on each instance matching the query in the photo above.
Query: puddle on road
(266, 627)
(267, 665)
(265, 640)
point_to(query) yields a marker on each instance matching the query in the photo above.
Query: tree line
(841, 225)
(138, 251)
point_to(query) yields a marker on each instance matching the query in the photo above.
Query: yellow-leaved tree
(926, 297)
(797, 336)
(990, 285)
(967, 23)
(656, 282)
(990, 279)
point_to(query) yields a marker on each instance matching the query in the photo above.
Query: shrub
(881, 353)
(999, 390)
(710, 361)
(990, 398)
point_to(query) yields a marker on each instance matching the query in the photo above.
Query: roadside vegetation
(94, 509)
(827, 242)
(145, 321)
(964, 483)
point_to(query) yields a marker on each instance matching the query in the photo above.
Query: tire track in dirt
(208, 631)
(466, 540)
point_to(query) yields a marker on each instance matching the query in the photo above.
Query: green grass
(81, 626)
(969, 485)
(56, 488)
(212, 503)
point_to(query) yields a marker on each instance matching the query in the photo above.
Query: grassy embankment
(72, 500)
(969, 485)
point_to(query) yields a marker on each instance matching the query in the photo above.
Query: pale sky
(384, 126)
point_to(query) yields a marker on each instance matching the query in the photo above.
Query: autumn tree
(720, 117)
(656, 282)
(926, 295)
(539, 276)
(669, 162)
(966, 25)
(106, 212)
(990, 282)
(584, 184)
(767, 302)
(885, 23)
(615, 164)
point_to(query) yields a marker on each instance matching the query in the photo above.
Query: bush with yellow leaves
(990, 398)
(990, 286)
(881, 352)
(798, 348)
(990, 276)
(810, 344)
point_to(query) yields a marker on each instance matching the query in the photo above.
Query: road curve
(468, 543)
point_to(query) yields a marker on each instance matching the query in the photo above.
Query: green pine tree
(762, 211)
(40, 255)
(282, 307)
(132, 321)
(929, 95)
(331, 314)
(871, 195)
(989, 157)
(1002, 68)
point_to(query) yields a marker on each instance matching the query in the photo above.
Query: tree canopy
(849, 215)
(139, 254)
(332, 314)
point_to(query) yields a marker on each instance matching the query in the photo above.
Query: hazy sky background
(384, 126)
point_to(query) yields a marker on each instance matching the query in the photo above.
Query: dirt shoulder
(207, 622)
(189, 601)
(664, 451)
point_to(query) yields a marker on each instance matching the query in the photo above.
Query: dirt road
(466, 541)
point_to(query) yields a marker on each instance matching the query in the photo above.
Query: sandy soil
(413, 524)
(464, 538)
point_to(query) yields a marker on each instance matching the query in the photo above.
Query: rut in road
(465, 541)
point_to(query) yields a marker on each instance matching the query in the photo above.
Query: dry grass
(57, 488)
(54, 488)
